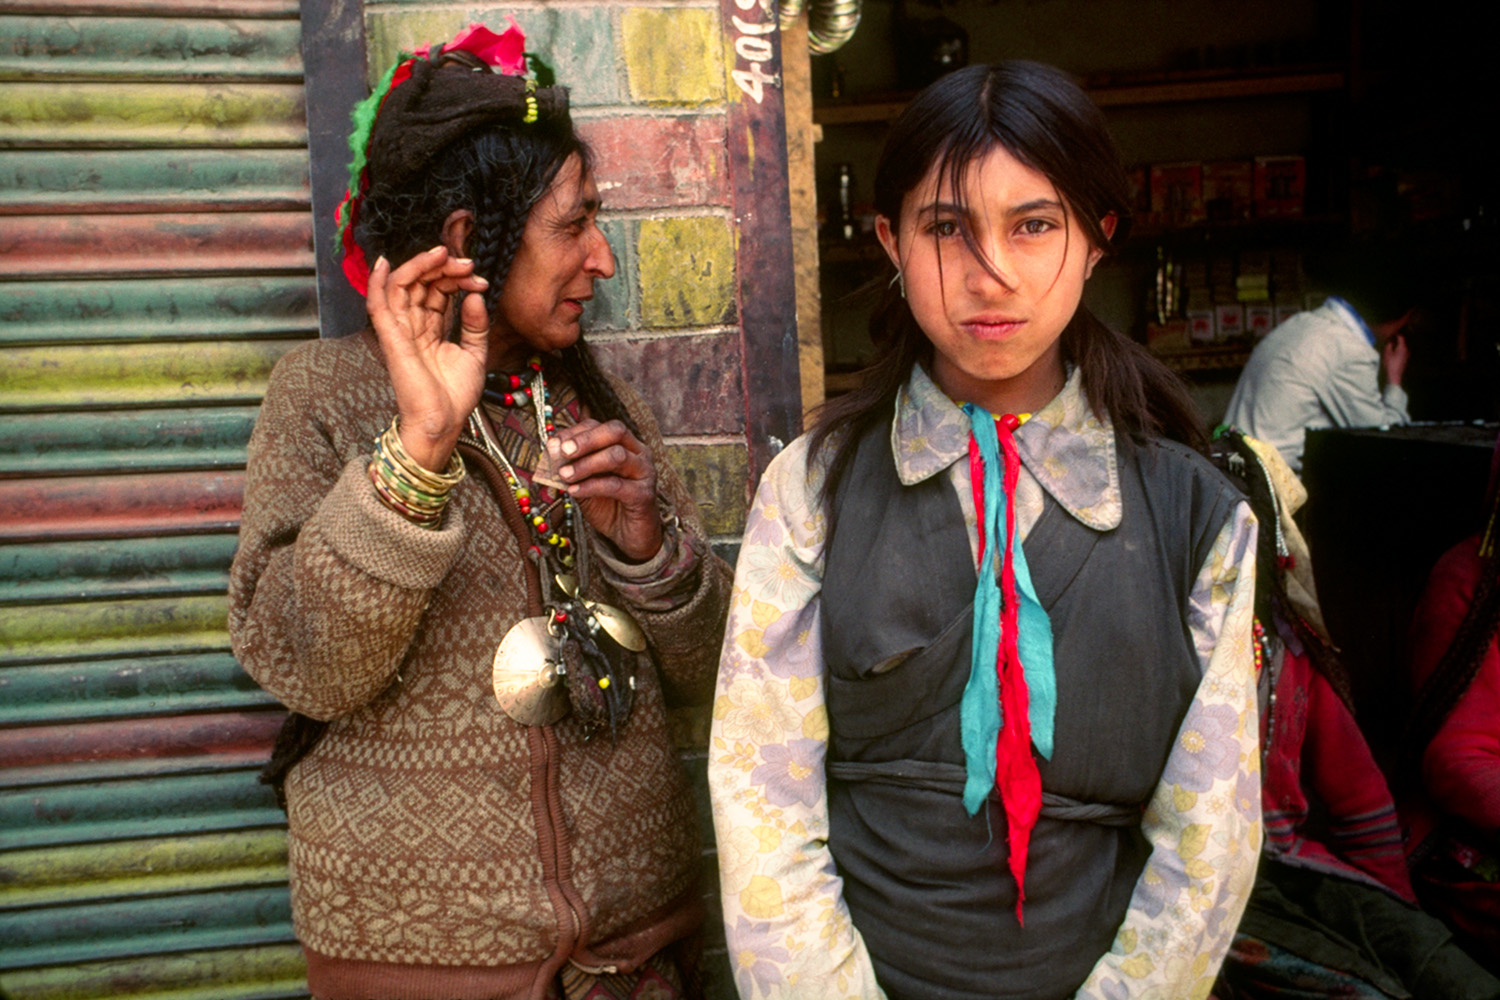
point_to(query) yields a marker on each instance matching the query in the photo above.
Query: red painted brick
(692, 382)
(655, 162)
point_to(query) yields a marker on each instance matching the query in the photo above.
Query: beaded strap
(403, 485)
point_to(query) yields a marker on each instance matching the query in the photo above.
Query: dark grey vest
(928, 886)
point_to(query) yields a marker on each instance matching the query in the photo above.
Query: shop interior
(1262, 139)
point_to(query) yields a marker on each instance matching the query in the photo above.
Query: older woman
(464, 568)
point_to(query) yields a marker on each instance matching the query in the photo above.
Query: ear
(456, 230)
(1107, 224)
(887, 238)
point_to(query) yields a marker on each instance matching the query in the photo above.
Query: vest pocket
(901, 689)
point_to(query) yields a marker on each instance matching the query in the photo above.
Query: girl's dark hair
(1046, 122)
(498, 173)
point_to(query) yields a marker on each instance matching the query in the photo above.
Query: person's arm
(1361, 816)
(1352, 395)
(328, 584)
(1203, 822)
(789, 933)
(1461, 766)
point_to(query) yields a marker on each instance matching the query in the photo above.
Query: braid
(1456, 670)
(1271, 601)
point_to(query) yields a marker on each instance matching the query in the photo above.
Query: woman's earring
(899, 279)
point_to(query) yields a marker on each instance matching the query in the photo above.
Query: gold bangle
(420, 476)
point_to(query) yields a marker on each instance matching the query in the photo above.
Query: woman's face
(562, 253)
(995, 337)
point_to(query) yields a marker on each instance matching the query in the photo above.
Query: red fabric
(1317, 763)
(1016, 776)
(1461, 767)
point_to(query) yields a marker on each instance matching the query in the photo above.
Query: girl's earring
(899, 279)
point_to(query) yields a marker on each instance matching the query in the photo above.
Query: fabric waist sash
(942, 777)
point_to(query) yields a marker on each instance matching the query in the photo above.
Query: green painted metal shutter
(155, 261)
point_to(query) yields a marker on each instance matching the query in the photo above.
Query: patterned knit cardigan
(428, 828)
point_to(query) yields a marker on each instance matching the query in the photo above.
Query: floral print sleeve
(788, 930)
(1204, 820)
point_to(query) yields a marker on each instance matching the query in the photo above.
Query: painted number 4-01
(753, 50)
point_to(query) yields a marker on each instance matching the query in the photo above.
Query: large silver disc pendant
(526, 676)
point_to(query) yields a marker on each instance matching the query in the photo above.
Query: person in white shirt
(1323, 368)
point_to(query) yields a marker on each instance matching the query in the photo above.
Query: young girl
(1039, 780)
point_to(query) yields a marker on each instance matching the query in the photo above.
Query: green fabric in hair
(362, 118)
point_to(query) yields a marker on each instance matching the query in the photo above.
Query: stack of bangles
(407, 488)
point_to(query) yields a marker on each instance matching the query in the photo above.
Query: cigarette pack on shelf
(1200, 316)
(1260, 317)
(1177, 192)
(1228, 190)
(1286, 308)
(1280, 186)
(1229, 321)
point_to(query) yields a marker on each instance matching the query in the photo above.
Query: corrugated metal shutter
(155, 261)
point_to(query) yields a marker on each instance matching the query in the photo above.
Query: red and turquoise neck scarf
(1010, 701)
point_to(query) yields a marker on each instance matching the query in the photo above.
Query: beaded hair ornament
(429, 99)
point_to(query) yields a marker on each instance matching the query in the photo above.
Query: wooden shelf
(1206, 359)
(1227, 88)
(1166, 89)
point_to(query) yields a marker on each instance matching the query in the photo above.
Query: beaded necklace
(558, 537)
(579, 654)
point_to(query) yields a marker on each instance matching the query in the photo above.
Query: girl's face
(562, 253)
(995, 337)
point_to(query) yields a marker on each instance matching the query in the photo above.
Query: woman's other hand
(437, 382)
(612, 476)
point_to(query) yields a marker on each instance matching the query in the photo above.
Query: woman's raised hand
(437, 382)
(612, 476)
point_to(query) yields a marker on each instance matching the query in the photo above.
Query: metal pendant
(617, 624)
(527, 675)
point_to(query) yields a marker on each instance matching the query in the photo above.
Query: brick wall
(652, 91)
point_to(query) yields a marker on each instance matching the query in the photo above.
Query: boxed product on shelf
(1228, 190)
(1177, 192)
(1260, 317)
(1200, 315)
(1280, 186)
(1229, 321)
(1252, 287)
(1286, 308)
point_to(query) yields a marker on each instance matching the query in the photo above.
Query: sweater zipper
(480, 448)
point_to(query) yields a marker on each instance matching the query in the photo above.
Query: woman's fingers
(589, 449)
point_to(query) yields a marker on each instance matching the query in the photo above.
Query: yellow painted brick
(673, 55)
(687, 271)
(718, 477)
